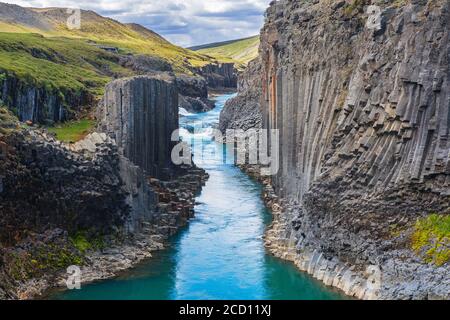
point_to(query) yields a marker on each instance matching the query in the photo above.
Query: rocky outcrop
(363, 116)
(142, 64)
(193, 94)
(141, 114)
(244, 110)
(39, 191)
(219, 75)
(38, 104)
(104, 203)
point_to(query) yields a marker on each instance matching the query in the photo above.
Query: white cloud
(184, 22)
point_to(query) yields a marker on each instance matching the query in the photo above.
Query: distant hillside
(240, 50)
(128, 38)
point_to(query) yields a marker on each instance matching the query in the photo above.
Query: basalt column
(141, 113)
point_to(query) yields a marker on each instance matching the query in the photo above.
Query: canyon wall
(219, 76)
(40, 104)
(244, 110)
(103, 203)
(363, 114)
(141, 115)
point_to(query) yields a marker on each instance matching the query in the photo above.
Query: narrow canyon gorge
(358, 93)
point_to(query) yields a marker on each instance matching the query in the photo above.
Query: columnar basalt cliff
(104, 203)
(219, 76)
(39, 104)
(363, 116)
(141, 113)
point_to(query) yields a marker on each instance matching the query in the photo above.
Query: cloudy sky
(184, 22)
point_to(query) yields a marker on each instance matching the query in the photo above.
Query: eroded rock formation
(141, 114)
(193, 94)
(39, 104)
(219, 76)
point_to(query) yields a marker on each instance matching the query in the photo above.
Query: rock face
(117, 188)
(141, 114)
(39, 105)
(193, 94)
(244, 110)
(363, 116)
(219, 76)
(39, 191)
(142, 64)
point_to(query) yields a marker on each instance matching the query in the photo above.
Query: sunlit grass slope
(128, 38)
(242, 50)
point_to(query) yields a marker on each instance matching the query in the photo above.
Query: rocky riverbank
(411, 278)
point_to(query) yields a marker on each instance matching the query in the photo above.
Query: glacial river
(220, 254)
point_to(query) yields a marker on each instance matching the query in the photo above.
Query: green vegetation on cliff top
(7, 121)
(431, 239)
(241, 50)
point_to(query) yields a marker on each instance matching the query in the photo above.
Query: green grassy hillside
(242, 50)
(128, 38)
(58, 63)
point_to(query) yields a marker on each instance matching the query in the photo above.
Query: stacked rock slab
(363, 115)
(141, 114)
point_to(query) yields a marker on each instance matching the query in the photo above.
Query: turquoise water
(220, 255)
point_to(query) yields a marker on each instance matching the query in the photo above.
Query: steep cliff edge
(363, 116)
(140, 114)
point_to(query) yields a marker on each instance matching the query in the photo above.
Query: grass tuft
(431, 239)
(242, 51)
(73, 131)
